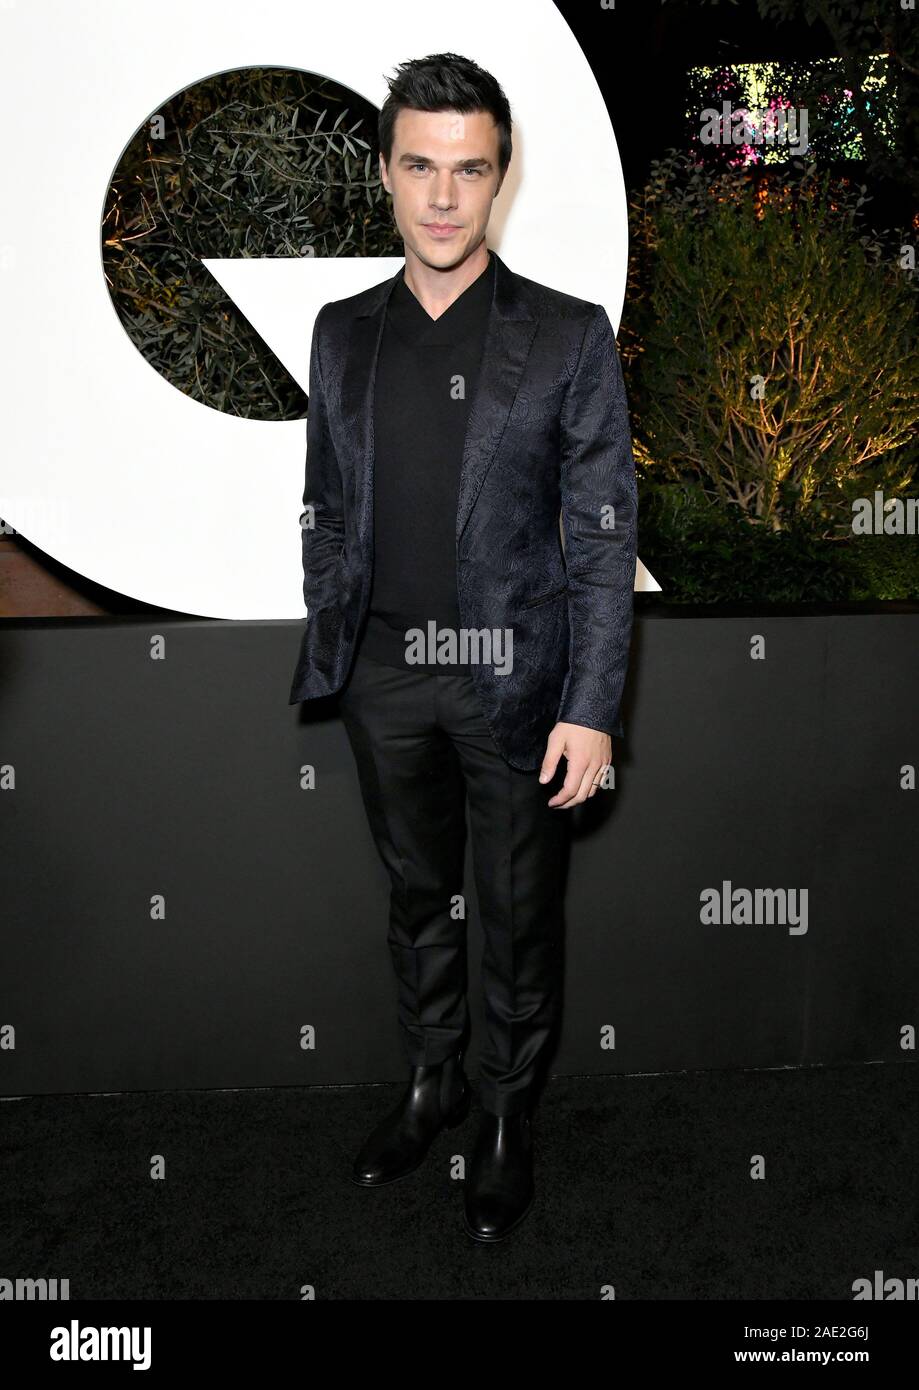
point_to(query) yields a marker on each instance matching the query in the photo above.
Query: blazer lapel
(357, 393)
(508, 338)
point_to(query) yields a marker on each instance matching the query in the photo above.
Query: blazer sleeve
(600, 520)
(323, 532)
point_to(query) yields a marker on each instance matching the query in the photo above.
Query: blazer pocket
(544, 598)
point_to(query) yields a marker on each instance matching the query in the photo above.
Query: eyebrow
(459, 164)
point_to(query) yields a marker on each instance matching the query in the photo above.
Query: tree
(771, 352)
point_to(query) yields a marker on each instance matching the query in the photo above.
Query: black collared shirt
(426, 376)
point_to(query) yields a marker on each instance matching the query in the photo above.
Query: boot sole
(456, 1117)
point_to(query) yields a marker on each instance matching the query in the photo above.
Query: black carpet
(643, 1183)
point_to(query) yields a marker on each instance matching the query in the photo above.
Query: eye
(466, 169)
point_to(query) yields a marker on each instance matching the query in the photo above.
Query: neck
(437, 289)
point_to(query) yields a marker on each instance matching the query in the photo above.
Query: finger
(598, 778)
(554, 746)
(587, 780)
(571, 785)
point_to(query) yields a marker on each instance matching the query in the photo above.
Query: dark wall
(180, 777)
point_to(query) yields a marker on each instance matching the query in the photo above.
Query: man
(458, 412)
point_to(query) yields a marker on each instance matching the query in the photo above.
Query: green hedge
(700, 553)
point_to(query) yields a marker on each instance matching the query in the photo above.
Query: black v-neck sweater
(426, 376)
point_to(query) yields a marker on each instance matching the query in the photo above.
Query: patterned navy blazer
(547, 437)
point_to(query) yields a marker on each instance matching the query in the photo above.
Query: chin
(441, 256)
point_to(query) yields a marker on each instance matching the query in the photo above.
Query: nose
(442, 195)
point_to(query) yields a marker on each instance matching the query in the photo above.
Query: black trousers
(421, 747)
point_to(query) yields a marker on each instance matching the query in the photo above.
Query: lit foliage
(866, 96)
(741, 288)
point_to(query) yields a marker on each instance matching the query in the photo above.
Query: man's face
(443, 170)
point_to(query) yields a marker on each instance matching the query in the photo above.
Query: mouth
(440, 229)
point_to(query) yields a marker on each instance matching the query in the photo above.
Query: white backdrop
(105, 465)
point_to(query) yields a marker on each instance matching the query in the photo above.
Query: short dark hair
(445, 82)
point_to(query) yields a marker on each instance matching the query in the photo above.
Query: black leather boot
(437, 1097)
(499, 1182)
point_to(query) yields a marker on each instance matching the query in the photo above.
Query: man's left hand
(586, 751)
